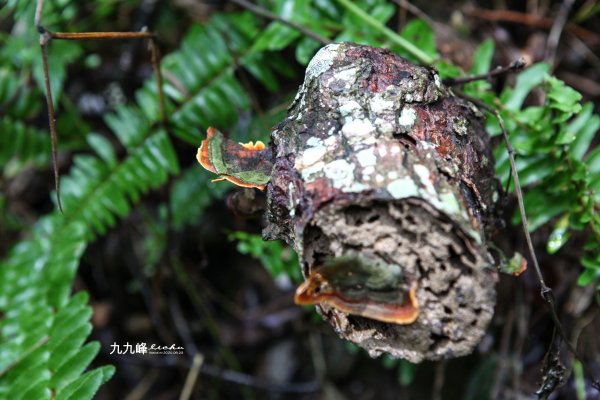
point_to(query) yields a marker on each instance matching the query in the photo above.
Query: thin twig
(416, 11)
(251, 381)
(38, 12)
(155, 57)
(530, 20)
(438, 380)
(192, 376)
(182, 327)
(47, 36)
(44, 41)
(140, 391)
(546, 292)
(501, 367)
(556, 31)
(514, 66)
(238, 378)
(100, 35)
(258, 10)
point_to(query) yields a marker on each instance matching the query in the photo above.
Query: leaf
(306, 49)
(526, 81)
(72, 367)
(559, 235)
(482, 58)
(593, 161)
(276, 259)
(562, 97)
(192, 185)
(584, 127)
(447, 70)
(86, 386)
(421, 35)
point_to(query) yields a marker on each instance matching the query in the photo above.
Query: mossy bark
(377, 157)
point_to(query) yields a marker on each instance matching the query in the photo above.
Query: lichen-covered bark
(376, 157)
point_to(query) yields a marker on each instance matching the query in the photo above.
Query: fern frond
(43, 329)
(20, 143)
(202, 86)
(191, 194)
(96, 192)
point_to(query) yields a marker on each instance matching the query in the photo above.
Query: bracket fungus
(383, 182)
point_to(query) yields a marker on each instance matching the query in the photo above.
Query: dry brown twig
(515, 66)
(530, 20)
(46, 37)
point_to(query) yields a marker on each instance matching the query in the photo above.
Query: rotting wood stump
(377, 159)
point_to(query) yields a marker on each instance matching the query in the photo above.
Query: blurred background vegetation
(148, 251)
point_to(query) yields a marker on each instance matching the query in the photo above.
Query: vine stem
(545, 291)
(423, 57)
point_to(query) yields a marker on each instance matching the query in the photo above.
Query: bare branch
(45, 39)
(514, 66)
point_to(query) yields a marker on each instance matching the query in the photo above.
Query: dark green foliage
(277, 259)
(554, 159)
(191, 194)
(44, 328)
(20, 144)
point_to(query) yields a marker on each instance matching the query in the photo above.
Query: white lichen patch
(314, 141)
(313, 172)
(402, 188)
(321, 62)
(425, 145)
(310, 156)
(407, 119)
(423, 174)
(460, 126)
(341, 172)
(292, 201)
(332, 140)
(495, 196)
(450, 203)
(366, 157)
(349, 108)
(357, 130)
(380, 104)
(385, 126)
(348, 76)
(437, 80)
(382, 150)
(391, 175)
(367, 172)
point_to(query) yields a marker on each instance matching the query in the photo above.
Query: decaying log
(377, 158)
